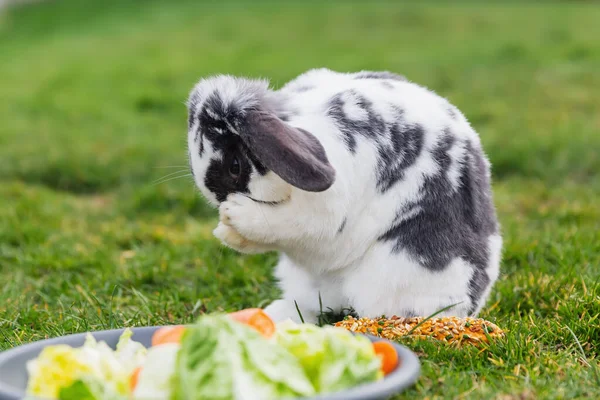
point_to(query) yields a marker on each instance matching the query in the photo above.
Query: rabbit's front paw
(245, 216)
(231, 238)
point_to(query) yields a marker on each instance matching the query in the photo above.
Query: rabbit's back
(419, 182)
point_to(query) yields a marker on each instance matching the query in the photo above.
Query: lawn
(95, 233)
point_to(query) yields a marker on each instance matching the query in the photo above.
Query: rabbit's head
(238, 144)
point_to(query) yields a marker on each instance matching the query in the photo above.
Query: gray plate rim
(394, 383)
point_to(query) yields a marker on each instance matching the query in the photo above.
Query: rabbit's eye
(234, 168)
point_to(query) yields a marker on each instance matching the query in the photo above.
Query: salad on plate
(237, 356)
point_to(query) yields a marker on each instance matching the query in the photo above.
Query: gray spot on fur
(343, 225)
(387, 85)
(304, 88)
(190, 163)
(452, 112)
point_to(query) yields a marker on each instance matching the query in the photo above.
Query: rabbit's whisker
(171, 174)
(167, 179)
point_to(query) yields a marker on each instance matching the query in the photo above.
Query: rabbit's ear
(292, 153)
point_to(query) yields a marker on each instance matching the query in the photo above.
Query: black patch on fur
(483, 211)
(212, 125)
(197, 135)
(407, 144)
(451, 222)
(192, 103)
(216, 120)
(398, 144)
(379, 75)
(218, 179)
(477, 285)
(373, 126)
(214, 117)
(407, 211)
(191, 118)
(342, 226)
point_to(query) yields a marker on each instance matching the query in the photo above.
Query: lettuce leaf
(154, 381)
(333, 358)
(88, 388)
(131, 354)
(59, 367)
(221, 359)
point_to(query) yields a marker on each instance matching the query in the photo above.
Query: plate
(13, 372)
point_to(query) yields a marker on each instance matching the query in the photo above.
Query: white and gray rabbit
(375, 191)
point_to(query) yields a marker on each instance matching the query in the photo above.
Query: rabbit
(374, 190)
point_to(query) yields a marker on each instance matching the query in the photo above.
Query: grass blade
(299, 313)
(321, 319)
(593, 367)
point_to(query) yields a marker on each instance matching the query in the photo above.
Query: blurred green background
(92, 116)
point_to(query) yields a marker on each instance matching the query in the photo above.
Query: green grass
(91, 114)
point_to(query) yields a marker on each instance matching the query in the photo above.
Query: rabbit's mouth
(271, 202)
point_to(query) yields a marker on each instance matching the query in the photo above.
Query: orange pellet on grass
(458, 331)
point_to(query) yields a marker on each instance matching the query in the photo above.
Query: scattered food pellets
(446, 329)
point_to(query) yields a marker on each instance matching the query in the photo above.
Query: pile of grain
(448, 329)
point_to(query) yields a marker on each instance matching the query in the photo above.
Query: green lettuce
(130, 353)
(221, 359)
(88, 388)
(333, 358)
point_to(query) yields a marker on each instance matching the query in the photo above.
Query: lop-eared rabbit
(374, 190)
